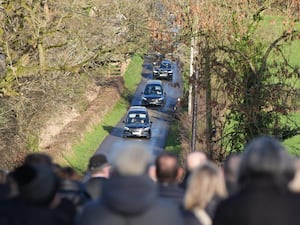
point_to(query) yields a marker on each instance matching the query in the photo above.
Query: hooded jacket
(260, 202)
(130, 200)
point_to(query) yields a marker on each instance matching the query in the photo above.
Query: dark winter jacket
(130, 200)
(16, 212)
(75, 192)
(259, 203)
(93, 186)
(171, 191)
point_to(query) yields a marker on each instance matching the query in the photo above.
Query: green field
(293, 144)
(273, 26)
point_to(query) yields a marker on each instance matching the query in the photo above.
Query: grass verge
(173, 143)
(92, 139)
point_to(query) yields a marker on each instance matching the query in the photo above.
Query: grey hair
(134, 160)
(266, 156)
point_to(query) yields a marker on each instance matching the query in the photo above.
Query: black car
(164, 70)
(137, 123)
(153, 94)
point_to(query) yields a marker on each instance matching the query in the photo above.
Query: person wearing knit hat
(37, 184)
(38, 158)
(33, 205)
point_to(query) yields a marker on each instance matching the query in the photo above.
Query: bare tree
(54, 51)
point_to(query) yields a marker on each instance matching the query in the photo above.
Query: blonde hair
(204, 183)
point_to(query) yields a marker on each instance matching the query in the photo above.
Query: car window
(153, 89)
(137, 117)
(165, 65)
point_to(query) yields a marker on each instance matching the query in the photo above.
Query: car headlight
(170, 71)
(126, 128)
(160, 99)
(155, 71)
(145, 99)
(147, 129)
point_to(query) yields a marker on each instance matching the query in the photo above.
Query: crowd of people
(259, 186)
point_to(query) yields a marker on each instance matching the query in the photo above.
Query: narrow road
(161, 117)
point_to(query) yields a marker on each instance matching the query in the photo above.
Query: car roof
(138, 108)
(166, 61)
(154, 82)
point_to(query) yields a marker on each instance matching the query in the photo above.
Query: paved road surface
(161, 117)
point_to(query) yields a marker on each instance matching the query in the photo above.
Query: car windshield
(153, 89)
(165, 65)
(137, 117)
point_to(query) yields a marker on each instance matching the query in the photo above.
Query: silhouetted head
(97, 162)
(37, 184)
(266, 158)
(230, 169)
(195, 159)
(167, 167)
(38, 158)
(133, 160)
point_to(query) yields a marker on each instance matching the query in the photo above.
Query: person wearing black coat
(129, 196)
(98, 172)
(18, 212)
(168, 173)
(35, 201)
(263, 196)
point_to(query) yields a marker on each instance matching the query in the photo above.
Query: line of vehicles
(137, 122)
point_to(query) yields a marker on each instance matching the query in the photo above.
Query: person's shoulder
(294, 197)
(93, 204)
(190, 218)
(92, 210)
(174, 188)
(166, 211)
(163, 201)
(167, 205)
(96, 179)
(232, 201)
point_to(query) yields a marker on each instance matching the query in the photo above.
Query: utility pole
(190, 97)
(194, 75)
(195, 109)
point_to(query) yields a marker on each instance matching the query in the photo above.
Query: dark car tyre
(148, 136)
